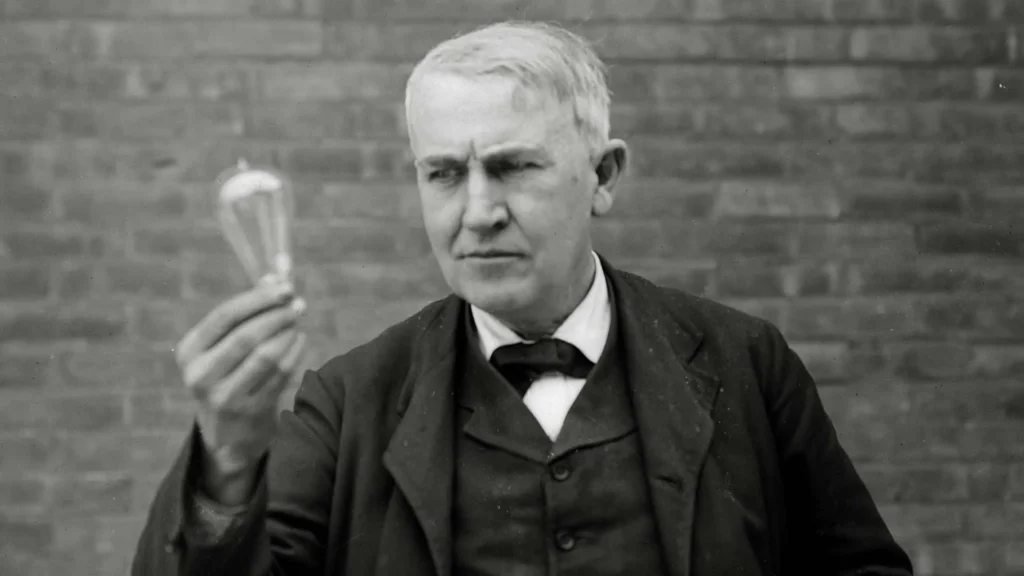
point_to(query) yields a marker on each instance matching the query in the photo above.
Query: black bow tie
(523, 363)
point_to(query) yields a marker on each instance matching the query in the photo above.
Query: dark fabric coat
(745, 470)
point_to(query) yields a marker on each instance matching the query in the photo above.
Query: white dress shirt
(551, 396)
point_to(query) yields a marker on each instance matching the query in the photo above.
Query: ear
(609, 167)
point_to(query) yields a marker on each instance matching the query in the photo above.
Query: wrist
(226, 478)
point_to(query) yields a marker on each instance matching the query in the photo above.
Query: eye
(444, 174)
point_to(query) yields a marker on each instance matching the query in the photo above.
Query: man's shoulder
(715, 320)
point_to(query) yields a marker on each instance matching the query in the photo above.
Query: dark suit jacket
(745, 471)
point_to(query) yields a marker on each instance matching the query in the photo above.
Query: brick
(157, 323)
(628, 240)
(117, 452)
(827, 362)
(965, 121)
(964, 400)
(376, 283)
(373, 320)
(655, 158)
(346, 200)
(1015, 483)
(882, 201)
(898, 276)
(214, 277)
(695, 277)
(775, 200)
(388, 162)
(754, 10)
(144, 279)
(177, 240)
(926, 44)
(956, 10)
(749, 280)
(333, 81)
(768, 120)
(93, 494)
(870, 121)
(968, 238)
(22, 535)
(329, 163)
(872, 10)
(273, 38)
(76, 280)
(996, 360)
(989, 481)
(25, 281)
(844, 82)
(199, 79)
(675, 82)
(116, 367)
(359, 241)
(847, 239)
(42, 325)
(124, 121)
(671, 199)
(955, 557)
(170, 410)
(24, 492)
(1005, 520)
(387, 41)
(325, 120)
(999, 84)
(24, 118)
(928, 361)
(26, 451)
(989, 317)
(112, 204)
(958, 164)
(765, 309)
(655, 41)
(25, 370)
(840, 318)
(924, 482)
(736, 239)
(920, 521)
(73, 413)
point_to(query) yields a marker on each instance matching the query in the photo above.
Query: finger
(222, 319)
(289, 364)
(217, 362)
(264, 363)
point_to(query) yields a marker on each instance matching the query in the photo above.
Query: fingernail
(299, 305)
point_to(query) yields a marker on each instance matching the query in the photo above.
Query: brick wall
(850, 169)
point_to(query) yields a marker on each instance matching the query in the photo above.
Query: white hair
(537, 55)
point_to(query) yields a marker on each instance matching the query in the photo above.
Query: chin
(504, 297)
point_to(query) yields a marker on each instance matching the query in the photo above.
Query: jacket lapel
(420, 453)
(673, 395)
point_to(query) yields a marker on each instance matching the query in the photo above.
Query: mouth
(490, 255)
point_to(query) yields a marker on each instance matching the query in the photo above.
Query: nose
(485, 205)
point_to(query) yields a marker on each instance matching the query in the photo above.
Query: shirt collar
(585, 328)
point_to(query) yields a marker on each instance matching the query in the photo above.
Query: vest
(526, 506)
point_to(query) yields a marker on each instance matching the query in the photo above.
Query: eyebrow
(506, 151)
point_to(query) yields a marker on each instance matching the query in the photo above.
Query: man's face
(507, 189)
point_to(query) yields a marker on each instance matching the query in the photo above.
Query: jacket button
(560, 472)
(565, 540)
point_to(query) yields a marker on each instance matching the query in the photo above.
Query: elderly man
(554, 415)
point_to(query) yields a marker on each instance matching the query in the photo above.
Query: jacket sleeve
(283, 528)
(833, 524)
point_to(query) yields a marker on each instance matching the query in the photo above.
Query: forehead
(460, 116)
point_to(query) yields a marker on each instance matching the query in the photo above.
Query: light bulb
(255, 210)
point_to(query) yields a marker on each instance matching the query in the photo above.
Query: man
(553, 416)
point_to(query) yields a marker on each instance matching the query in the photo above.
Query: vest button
(565, 540)
(560, 472)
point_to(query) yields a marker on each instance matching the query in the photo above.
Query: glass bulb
(255, 211)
